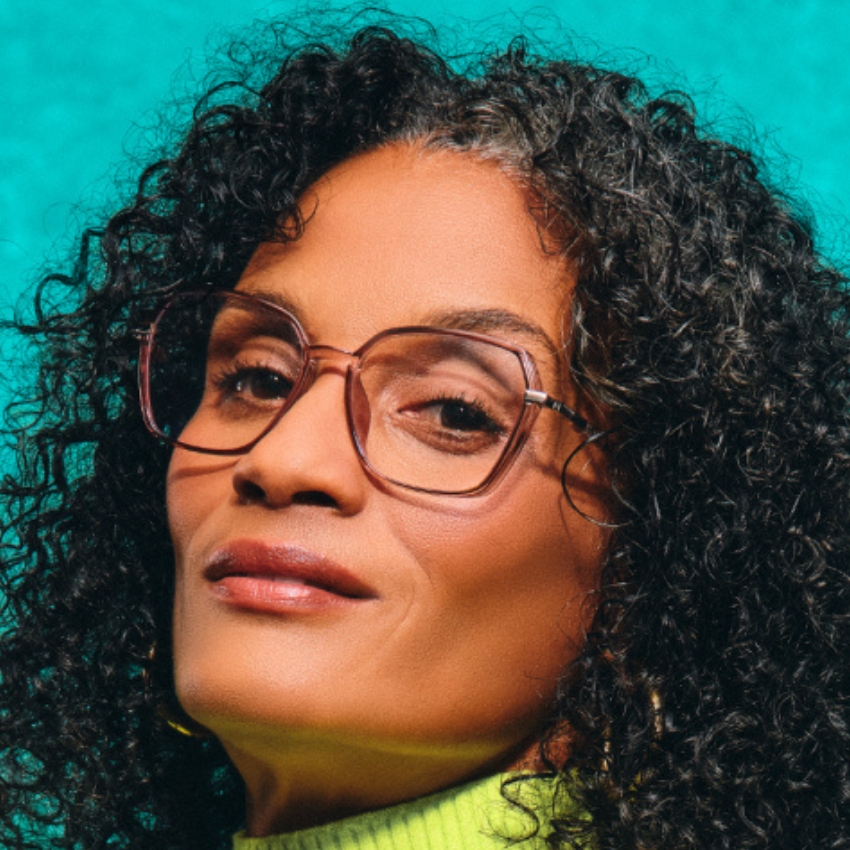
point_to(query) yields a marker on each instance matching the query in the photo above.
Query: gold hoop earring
(177, 720)
(193, 731)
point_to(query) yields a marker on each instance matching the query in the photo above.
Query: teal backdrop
(82, 83)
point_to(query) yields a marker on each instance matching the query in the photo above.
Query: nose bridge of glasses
(327, 358)
(319, 360)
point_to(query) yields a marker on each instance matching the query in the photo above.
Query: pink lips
(281, 579)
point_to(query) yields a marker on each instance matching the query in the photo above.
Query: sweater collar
(475, 816)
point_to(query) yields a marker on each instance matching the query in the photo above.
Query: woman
(490, 485)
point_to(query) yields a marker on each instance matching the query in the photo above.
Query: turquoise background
(81, 83)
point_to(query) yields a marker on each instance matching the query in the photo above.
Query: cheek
(196, 486)
(192, 498)
(182, 502)
(512, 580)
(524, 537)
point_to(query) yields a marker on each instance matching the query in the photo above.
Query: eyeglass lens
(427, 409)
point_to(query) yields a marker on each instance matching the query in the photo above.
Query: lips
(281, 579)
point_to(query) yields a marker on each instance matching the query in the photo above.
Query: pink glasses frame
(534, 396)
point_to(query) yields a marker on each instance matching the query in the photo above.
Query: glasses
(435, 410)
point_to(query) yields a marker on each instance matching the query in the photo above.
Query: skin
(447, 670)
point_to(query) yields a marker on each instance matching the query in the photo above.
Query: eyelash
(493, 426)
(227, 377)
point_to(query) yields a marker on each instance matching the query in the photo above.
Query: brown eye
(459, 415)
(263, 384)
(253, 384)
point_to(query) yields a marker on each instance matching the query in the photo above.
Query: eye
(450, 425)
(262, 384)
(457, 414)
(251, 384)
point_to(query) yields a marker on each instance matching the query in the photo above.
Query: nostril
(250, 492)
(316, 498)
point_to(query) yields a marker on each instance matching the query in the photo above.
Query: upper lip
(285, 561)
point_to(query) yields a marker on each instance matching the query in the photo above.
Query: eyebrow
(494, 322)
(273, 297)
(490, 321)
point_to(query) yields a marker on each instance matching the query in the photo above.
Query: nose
(309, 457)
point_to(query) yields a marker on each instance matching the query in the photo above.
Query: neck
(313, 785)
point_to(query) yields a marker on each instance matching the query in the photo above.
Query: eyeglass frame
(534, 397)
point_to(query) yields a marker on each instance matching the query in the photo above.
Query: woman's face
(435, 653)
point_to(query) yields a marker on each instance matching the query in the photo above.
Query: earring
(175, 718)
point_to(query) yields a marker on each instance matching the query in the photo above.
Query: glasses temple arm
(544, 400)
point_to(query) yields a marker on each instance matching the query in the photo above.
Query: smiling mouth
(281, 579)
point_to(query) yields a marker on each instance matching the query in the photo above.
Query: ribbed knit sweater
(472, 817)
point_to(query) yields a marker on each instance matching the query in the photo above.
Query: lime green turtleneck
(472, 817)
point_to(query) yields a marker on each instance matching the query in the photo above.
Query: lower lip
(268, 596)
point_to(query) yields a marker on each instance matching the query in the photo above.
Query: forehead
(402, 236)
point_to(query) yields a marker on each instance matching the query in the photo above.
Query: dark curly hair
(710, 706)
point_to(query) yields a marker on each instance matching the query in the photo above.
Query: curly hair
(710, 706)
